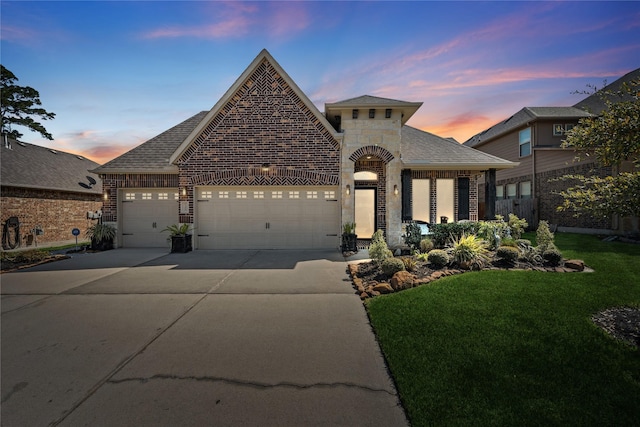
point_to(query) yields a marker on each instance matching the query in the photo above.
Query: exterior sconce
(372, 113)
(265, 167)
(107, 193)
(348, 189)
(354, 114)
(395, 190)
(184, 191)
(387, 113)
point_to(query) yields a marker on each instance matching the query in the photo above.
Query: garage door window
(223, 194)
(276, 194)
(163, 196)
(241, 194)
(130, 196)
(294, 194)
(312, 194)
(329, 194)
(258, 194)
(207, 195)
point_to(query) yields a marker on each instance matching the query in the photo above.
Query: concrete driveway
(142, 337)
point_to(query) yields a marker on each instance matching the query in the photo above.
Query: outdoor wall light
(107, 193)
(184, 191)
(265, 167)
(395, 190)
(348, 189)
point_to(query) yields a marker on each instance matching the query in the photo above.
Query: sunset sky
(119, 73)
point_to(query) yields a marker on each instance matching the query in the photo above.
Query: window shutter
(463, 198)
(407, 214)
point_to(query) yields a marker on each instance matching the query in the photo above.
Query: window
(568, 127)
(511, 191)
(258, 194)
(207, 194)
(444, 200)
(330, 194)
(130, 196)
(146, 196)
(558, 130)
(223, 194)
(176, 196)
(525, 142)
(163, 196)
(499, 192)
(276, 194)
(241, 194)
(372, 113)
(294, 194)
(420, 197)
(312, 194)
(365, 176)
(525, 190)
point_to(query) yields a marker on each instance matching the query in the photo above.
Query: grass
(516, 347)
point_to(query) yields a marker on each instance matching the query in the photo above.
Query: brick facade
(263, 135)
(56, 212)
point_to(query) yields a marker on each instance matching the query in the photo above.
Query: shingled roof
(368, 101)
(521, 118)
(32, 166)
(596, 104)
(424, 149)
(153, 155)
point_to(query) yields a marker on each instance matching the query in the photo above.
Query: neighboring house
(49, 191)
(265, 169)
(533, 137)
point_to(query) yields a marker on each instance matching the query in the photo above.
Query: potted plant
(349, 238)
(101, 236)
(180, 237)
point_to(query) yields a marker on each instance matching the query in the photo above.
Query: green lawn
(514, 347)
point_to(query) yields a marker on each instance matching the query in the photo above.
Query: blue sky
(118, 73)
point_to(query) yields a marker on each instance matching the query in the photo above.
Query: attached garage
(267, 217)
(145, 213)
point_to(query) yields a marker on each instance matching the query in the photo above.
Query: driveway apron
(142, 337)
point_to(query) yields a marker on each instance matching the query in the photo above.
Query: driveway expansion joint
(251, 384)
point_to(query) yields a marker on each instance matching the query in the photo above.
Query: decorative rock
(398, 252)
(402, 280)
(364, 296)
(436, 275)
(383, 288)
(375, 293)
(574, 264)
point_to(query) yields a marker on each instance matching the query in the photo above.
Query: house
(264, 168)
(533, 137)
(48, 192)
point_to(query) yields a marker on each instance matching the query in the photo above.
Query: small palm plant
(178, 229)
(469, 252)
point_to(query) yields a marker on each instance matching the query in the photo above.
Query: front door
(365, 212)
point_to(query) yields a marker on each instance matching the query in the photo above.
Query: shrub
(438, 258)
(422, 257)
(544, 236)
(493, 232)
(508, 241)
(517, 226)
(413, 235)
(443, 233)
(391, 266)
(528, 252)
(552, 257)
(409, 263)
(426, 245)
(508, 254)
(469, 251)
(378, 249)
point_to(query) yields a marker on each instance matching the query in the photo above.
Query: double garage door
(237, 217)
(267, 217)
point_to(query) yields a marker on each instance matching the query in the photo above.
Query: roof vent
(22, 144)
(80, 157)
(53, 151)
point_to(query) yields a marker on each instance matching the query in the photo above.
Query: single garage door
(267, 217)
(145, 213)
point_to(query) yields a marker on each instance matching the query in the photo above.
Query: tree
(611, 138)
(19, 104)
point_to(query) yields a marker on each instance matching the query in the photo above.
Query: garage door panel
(267, 218)
(145, 213)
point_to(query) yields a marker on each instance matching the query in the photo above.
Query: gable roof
(263, 57)
(595, 103)
(32, 166)
(368, 101)
(153, 155)
(521, 118)
(423, 149)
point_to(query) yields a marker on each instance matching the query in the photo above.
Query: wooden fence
(523, 208)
